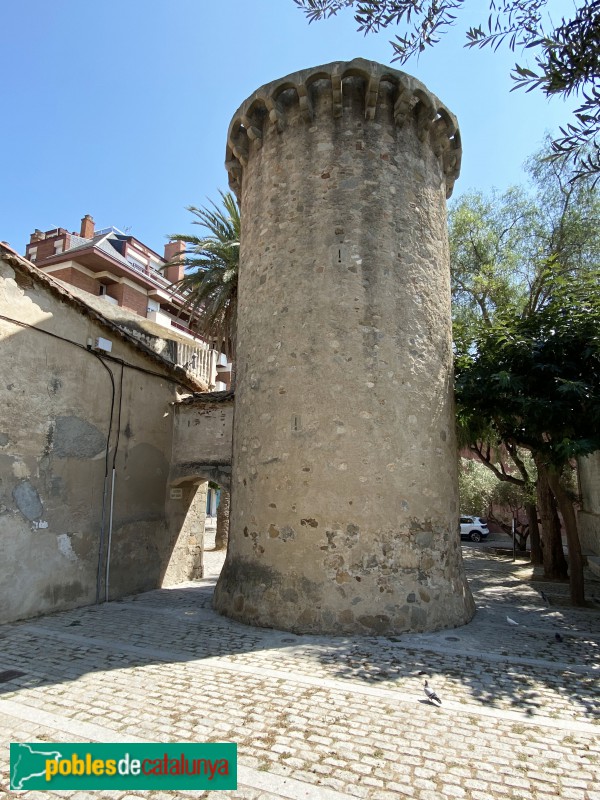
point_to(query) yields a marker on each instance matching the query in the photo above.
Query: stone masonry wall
(202, 441)
(344, 512)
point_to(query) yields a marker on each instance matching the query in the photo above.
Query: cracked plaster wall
(55, 401)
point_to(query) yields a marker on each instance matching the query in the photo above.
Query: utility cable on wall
(87, 350)
(123, 364)
(105, 490)
(112, 489)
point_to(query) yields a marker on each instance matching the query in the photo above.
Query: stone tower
(344, 510)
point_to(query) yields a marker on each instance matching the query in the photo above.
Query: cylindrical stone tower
(344, 506)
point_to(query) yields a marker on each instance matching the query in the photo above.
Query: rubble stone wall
(344, 508)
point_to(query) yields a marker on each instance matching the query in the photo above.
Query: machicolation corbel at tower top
(387, 93)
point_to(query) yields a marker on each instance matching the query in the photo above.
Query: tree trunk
(568, 514)
(555, 563)
(534, 532)
(222, 532)
(521, 533)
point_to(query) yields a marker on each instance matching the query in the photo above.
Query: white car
(473, 528)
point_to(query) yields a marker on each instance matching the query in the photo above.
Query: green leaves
(566, 55)
(508, 250)
(536, 379)
(211, 261)
(526, 314)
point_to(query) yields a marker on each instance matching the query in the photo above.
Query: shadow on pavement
(491, 661)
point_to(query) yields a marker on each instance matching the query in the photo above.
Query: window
(32, 253)
(59, 246)
(102, 290)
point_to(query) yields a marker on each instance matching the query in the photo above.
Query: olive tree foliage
(509, 503)
(507, 249)
(535, 379)
(511, 257)
(484, 493)
(493, 488)
(566, 53)
(476, 486)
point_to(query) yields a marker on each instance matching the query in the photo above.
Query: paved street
(321, 718)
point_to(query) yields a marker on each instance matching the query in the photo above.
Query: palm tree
(211, 272)
(210, 288)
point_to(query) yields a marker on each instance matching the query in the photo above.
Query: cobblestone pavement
(324, 718)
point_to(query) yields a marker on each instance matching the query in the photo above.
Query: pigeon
(430, 694)
(558, 637)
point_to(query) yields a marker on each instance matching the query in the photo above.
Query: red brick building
(119, 269)
(116, 266)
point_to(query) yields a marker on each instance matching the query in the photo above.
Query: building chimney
(87, 227)
(174, 252)
(36, 236)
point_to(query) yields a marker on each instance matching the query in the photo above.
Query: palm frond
(211, 262)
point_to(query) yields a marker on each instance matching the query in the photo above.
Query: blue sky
(120, 109)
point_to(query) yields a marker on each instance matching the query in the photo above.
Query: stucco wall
(202, 441)
(55, 401)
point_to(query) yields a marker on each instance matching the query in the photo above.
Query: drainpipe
(101, 544)
(110, 528)
(112, 488)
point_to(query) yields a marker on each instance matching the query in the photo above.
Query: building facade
(122, 271)
(116, 266)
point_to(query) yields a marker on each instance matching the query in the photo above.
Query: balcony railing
(181, 327)
(197, 356)
(157, 278)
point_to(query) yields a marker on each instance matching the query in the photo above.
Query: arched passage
(202, 444)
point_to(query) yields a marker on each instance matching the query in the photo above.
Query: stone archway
(185, 506)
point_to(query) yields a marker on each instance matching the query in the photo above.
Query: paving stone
(318, 714)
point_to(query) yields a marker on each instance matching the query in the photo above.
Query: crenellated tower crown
(413, 104)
